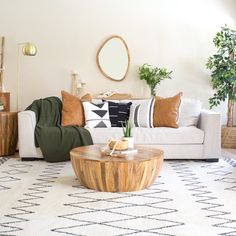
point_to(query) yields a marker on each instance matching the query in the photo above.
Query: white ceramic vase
(130, 141)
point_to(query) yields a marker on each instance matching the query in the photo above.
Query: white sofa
(200, 142)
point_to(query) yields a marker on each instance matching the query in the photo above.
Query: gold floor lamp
(27, 49)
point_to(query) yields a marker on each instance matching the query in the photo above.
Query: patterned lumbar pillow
(141, 114)
(119, 113)
(96, 115)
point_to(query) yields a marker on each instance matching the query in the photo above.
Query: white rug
(190, 198)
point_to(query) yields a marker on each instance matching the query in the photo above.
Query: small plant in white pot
(127, 131)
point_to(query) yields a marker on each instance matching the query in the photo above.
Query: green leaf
(223, 67)
(153, 75)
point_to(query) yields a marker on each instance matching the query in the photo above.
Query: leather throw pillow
(166, 111)
(72, 110)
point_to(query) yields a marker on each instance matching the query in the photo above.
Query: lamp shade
(29, 49)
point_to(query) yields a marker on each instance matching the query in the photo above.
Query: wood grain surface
(8, 133)
(5, 99)
(135, 172)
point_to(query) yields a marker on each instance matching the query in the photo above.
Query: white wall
(174, 34)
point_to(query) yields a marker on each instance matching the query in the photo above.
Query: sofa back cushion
(190, 110)
(72, 110)
(119, 113)
(166, 111)
(141, 113)
(96, 115)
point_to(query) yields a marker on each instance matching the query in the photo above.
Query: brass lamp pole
(27, 49)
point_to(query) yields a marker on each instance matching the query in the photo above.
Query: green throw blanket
(54, 140)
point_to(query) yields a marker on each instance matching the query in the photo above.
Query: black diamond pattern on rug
(3, 159)
(210, 203)
(189, 198)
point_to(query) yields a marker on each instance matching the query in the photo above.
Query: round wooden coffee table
(113, 174)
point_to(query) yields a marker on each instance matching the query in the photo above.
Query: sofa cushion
(72, 111)
(189, 113)
(159, 135)
(141, 113)
(118, 113)
(166, 111)
(96, 115)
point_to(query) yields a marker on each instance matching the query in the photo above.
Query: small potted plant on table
(223, 78)
(127, 131)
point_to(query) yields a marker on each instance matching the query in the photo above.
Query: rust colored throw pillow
(166, 111)
(72, 110)
(87, 98)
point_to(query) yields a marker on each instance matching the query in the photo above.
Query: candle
(74, 72)
(79, 85)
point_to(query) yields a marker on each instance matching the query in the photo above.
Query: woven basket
(228, 137)
(121, 145)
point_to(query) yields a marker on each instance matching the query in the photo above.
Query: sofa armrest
(210, 123)
(26, 127)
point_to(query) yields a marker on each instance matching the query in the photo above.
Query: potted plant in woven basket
(153, 76)
(223, 78)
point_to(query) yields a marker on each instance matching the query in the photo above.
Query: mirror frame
(128, 55)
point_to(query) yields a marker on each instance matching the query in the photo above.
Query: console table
(8, 133)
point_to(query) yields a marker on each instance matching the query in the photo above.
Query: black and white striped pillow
(118, 112)
(141, 114)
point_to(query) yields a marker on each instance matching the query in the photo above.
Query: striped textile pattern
(141, 115)
(118, 113)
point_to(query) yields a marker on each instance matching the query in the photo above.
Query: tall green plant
(223, 70)
(153, 76)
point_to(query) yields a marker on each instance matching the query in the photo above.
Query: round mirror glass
(113, 58)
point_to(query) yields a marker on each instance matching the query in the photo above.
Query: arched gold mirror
(113, 58)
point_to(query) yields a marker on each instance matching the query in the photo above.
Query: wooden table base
(8, 133)
(136, 172)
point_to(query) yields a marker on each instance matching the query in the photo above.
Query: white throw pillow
(96, 115)
(141, 113)
(190, 110)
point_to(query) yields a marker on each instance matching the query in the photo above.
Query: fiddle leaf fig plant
(223, 71)
(153, 76)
